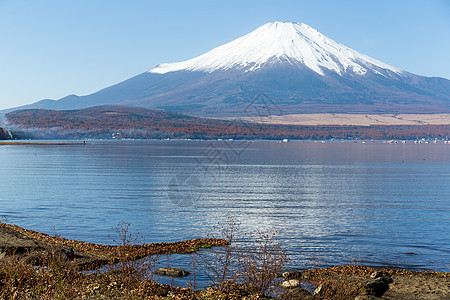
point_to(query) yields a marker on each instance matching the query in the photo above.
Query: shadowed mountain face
(4, 134)
(297, 68)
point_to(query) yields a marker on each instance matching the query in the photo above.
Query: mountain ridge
(292, 42)
(299, 69)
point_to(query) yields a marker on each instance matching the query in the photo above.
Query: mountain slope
(296, 67)
(277, 42)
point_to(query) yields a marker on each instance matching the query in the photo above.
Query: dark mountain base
(4, 135)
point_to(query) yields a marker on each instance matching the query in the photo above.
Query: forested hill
(140, 123)
(4, 135)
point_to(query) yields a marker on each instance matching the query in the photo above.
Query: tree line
(137, 123)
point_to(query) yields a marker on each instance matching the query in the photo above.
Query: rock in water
(171, 272)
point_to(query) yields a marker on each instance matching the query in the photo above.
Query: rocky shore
(35, 265)
(29, 245)
(358, 282)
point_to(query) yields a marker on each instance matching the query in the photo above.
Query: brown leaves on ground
(121, 253)
(21, 281)
(56, 278)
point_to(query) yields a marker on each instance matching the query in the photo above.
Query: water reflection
(382, 204)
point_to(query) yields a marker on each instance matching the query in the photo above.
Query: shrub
(253, 261)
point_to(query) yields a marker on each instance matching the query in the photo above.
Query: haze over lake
(337, 202)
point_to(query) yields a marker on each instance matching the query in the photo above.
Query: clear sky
(53, 48)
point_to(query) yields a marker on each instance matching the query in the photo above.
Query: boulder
(65, 253)
(378, 286)
(171, 272)
(15, 243)
(289, 284)
(291, 275)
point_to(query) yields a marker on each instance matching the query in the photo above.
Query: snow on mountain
(295, 43)
(296, 67)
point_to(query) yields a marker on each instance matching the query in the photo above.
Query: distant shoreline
(111, 122)
(59, 142)
(43, 144)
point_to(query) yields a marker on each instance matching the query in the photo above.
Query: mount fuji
(299, 69)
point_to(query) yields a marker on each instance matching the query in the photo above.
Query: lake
(376, 204)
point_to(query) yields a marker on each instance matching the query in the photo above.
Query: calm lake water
(338, 202)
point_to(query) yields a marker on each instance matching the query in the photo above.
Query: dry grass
(354, 119)
(245, 267)
(250, 263)
(53, 277)
(19, 280)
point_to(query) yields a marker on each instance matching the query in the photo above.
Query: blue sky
(52, 48)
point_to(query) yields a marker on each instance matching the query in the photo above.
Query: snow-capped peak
(295, 43)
